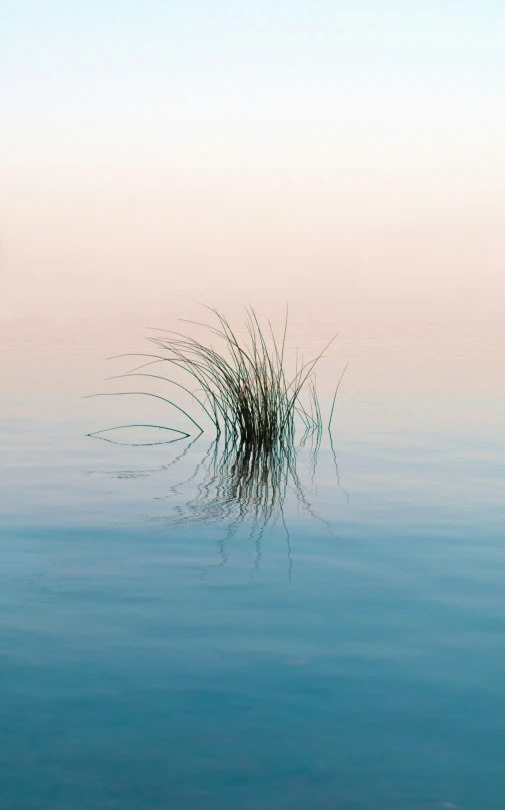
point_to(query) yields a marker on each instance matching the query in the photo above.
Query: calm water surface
(163, 648)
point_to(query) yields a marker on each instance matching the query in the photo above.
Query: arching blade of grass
(166, 379)
(96, 434)
(146, 394)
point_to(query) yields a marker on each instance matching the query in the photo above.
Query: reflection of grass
(243, 386)
(240, 484)
(241, 481)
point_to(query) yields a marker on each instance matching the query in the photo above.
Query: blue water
(351, 656)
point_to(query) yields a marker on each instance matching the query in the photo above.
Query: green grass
(243, 386)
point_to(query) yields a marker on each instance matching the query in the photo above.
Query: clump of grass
(243, 385)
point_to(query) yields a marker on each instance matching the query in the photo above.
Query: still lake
(165, 646)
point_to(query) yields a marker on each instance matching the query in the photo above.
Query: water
(161, 649)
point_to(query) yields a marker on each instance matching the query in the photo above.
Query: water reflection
(241, 486)
(242, 481)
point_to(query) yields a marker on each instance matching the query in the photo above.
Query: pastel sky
(344, 152)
